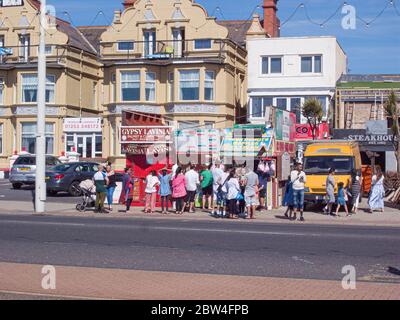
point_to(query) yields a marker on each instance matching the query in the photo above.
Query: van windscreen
(322, 164)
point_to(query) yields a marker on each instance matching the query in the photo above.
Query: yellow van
(319, 157)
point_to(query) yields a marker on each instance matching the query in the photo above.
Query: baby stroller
(88, 200)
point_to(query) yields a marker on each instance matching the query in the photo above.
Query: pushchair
(88, 199)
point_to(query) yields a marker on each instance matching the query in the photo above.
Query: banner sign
(197, 141)
(160, 134)
(82, 125)
(304, 132)
(283, 123)
(372, 142)
(248, 144)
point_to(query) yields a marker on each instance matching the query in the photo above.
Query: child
(341, 201)
(288, 200)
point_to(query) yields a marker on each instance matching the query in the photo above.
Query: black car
(67, 177)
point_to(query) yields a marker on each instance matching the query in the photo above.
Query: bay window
(189, 84)
(28, 137)
(150, 86)
(30, 88)
(130, 85)
(209, 86)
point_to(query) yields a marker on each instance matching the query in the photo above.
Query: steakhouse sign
(148, 135)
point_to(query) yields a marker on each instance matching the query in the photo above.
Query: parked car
(67, 177)
(23, 172)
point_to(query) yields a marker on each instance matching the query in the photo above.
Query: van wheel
(17, 186)
(74, 189)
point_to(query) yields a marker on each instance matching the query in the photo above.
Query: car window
(51, 161)
(78, 169)
(85, 168)
(62, 167)
(95, 167)
(25, 161)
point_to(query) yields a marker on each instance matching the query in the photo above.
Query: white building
(284, 72)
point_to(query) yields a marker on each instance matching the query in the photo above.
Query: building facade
(284, 72)
(73, 75)
(170, 60)
(360, 106)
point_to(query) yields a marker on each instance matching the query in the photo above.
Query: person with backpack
(101, 181)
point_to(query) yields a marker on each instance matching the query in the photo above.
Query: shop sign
(280, 147)
(283, 123)
(82, 125)
(141, 134)
(248, 144)
(197, 141)
(304, 132)
(191, 108)
(138, 149)
(378, 142)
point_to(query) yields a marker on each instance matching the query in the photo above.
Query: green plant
(313, 112)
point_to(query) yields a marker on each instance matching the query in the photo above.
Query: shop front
(146, 144)
(84, 135)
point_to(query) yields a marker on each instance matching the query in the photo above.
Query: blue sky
(373, 49)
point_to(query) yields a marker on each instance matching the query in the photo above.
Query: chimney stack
(128, 3)
(271, 21)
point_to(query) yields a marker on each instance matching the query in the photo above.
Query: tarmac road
(208, 247)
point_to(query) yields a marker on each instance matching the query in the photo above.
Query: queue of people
(232, 191)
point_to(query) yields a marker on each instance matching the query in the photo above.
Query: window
(171, 90)
(209, 125)
(30, 87)
(1, 138)
(209, 86)
(295, 107)
(1, 90)
(183, 125)
(202, 44)
(48, 50)
(270, 65)
(24, 46)
(28, 137)
(311, 64)
(189, 84)
(126, 46)
(130, 85)
(281, 103)
(258, 106)
(322, 99)
(149, 42)
(2, 42)
(150, 86)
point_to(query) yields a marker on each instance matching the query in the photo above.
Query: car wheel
(17, 186)
(74, 189)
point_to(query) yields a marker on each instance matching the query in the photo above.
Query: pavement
(139, 258)
(63, 204)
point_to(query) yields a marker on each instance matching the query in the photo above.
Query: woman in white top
(233, 188)
(152, 182)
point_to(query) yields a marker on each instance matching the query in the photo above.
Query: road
(26, 194)
(207, 247)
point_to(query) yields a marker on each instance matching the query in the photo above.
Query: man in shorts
(250, 192)
(192, 181)
(206, 179)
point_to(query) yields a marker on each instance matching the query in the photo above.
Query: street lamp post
(40, 183)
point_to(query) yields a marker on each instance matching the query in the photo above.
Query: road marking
(208, 230)
(295, 258)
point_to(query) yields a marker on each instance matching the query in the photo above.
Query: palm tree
(313, 111)
(393, 113)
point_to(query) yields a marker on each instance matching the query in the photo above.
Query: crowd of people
(232, 191)
(223, 191)
(351, 193)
